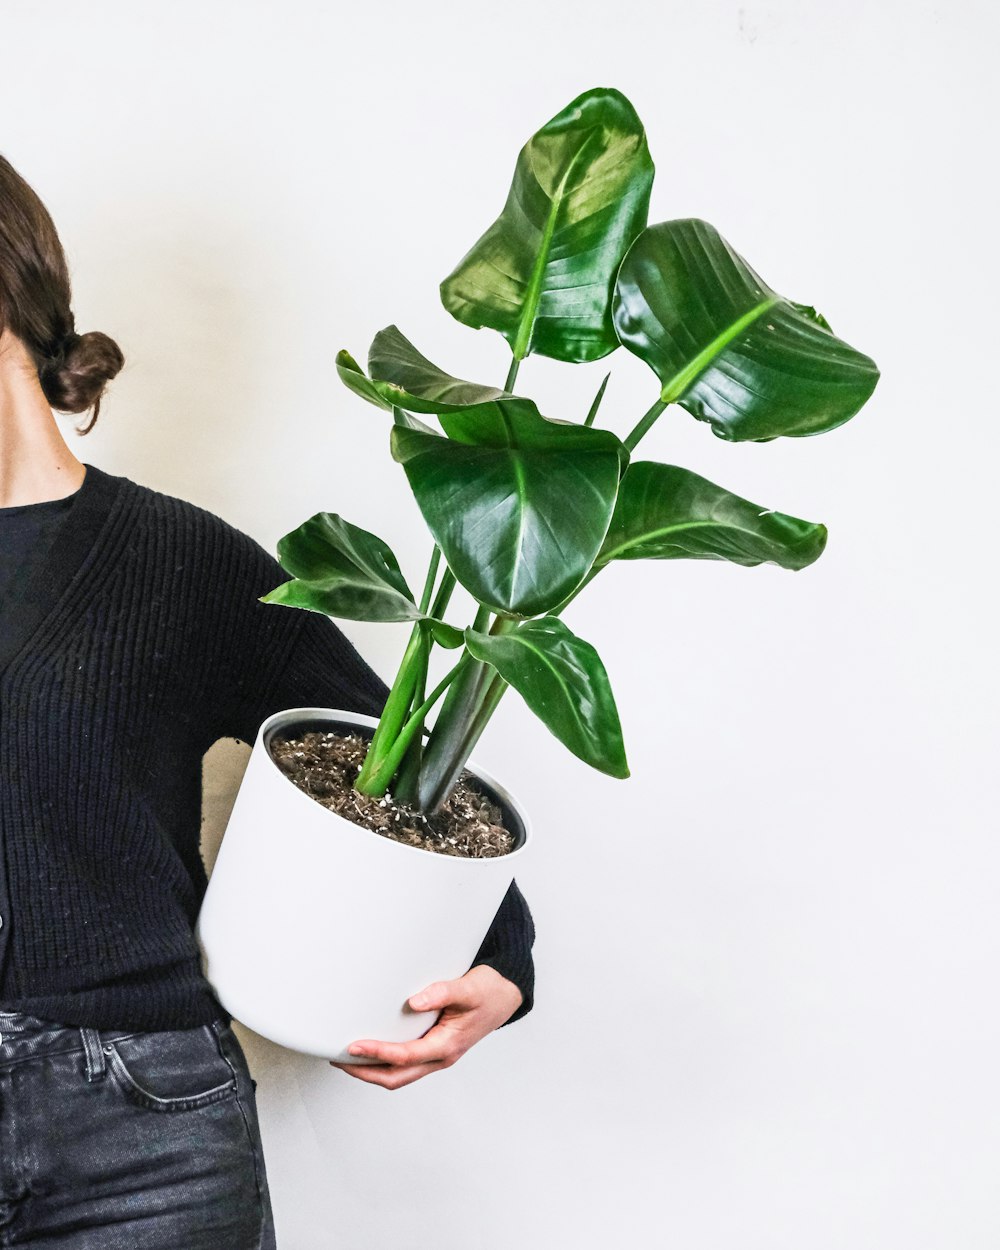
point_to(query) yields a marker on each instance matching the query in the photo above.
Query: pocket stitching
(153, 1101)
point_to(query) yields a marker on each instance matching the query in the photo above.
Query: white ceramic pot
(314, 931)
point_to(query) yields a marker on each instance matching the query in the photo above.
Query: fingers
(388, 1077)
(438, 1045)
(400, 1063)
(441, 994)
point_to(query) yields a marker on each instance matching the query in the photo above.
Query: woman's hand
(471, 1007)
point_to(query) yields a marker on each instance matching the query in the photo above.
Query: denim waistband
(25, 1036)
(19, 1022)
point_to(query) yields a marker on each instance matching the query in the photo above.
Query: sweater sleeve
(507, 948)
(291, 657)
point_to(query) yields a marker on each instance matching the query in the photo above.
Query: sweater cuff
(507, 948)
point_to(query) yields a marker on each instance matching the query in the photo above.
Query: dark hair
(35, 298)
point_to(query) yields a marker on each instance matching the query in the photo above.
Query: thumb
(434, 997)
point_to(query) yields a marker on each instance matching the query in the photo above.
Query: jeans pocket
(171, 1069)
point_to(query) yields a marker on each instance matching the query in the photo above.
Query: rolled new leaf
(751, 363)
(339, 569)
(562, 680)
(667, 513)
(518, 505)
(542, 273)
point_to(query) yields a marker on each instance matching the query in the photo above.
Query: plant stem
(461, 720)
(382, 774)
(396, 705)
(410, 676)
(494, 691)
(409, 769)
(557, 610)
(597, 401)
(432, 570)
(515, 364)
(644, 425)
(443, 594)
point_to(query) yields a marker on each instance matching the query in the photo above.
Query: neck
(35, 462)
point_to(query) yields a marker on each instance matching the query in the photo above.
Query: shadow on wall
(222, 771)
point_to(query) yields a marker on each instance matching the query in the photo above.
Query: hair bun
(74, 378)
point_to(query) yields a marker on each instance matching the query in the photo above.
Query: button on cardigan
(136, 643)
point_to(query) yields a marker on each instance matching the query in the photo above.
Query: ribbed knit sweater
(133, 646)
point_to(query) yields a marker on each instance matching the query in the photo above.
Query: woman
(131, 638)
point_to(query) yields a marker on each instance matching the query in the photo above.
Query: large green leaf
(518, 505)
(542, 273)
(562, 680)
(725, 346)
(667, 513)
(341, 570)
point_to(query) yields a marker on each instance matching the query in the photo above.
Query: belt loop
(95, 1055)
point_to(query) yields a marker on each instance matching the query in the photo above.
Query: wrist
(500, 993)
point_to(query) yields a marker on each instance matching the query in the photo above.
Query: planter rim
(276, 719)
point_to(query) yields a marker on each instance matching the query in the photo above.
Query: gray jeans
(112, 1139)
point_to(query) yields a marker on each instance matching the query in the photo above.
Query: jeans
(117, 1139)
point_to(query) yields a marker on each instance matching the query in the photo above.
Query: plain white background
(767, 1013)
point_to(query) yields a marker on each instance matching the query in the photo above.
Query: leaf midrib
(549, 664)
(679, 383)
(666, 530)
(534, 293)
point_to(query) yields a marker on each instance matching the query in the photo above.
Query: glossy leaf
(355, 379)
(667, 513)
(395, 365)
(445, 635)
(542, 274)
(562, 680)
(751, 363)
(402, 374)
(401, 417)
(341, 570)
(518, 505)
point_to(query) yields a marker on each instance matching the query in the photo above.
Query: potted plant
(525, 510)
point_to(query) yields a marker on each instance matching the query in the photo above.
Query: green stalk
(515, 364)
(396, 707)
(460, 722)
(644, 425)
(432, 570)
(443, 595)
(573, 594)
(491, 698)
(405, 783)
(597, 401)
(410, 677)
(382, 775)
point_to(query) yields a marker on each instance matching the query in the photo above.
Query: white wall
(767, 1013)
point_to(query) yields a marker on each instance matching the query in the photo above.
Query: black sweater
(129, 642)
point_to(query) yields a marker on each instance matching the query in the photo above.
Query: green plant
(525, 509)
